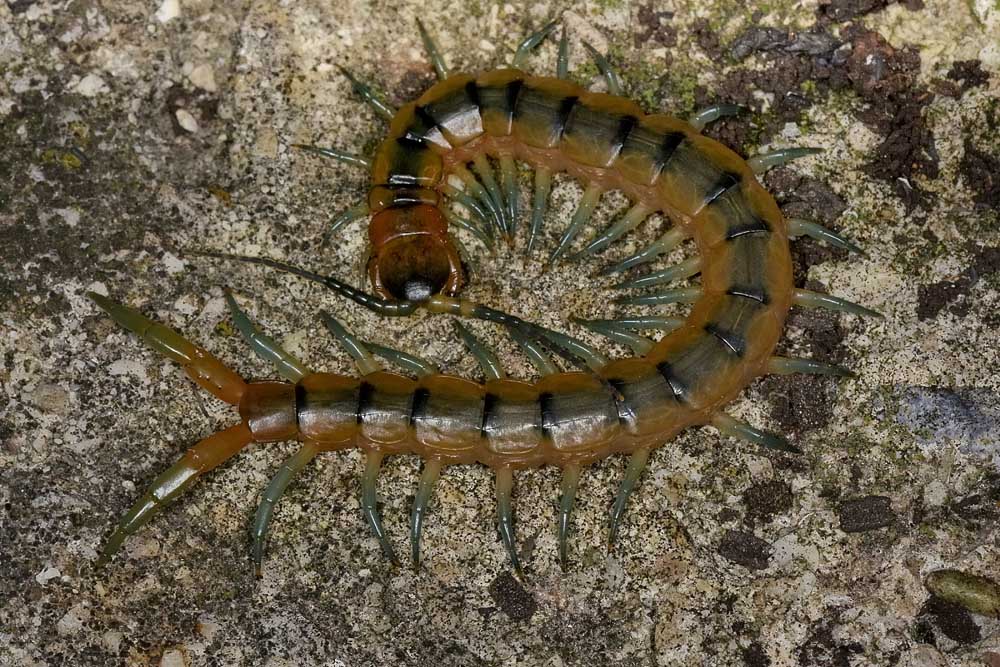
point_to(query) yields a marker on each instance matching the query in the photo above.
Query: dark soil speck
(864, 514)
(953, 620)
(512, 597)
(745, 549)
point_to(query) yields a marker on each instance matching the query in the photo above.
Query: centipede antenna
(661, 246)
(473, 206)
(264, 346)
(787, 365)
(735, 428)
(562, 58)
(636, 464)
(352, 345)
(653, 322)
(568, 487)
(412, 363)
(335, 154)
(607, 71)
(808, 299)
(543, 185)
(685, 269)
(486, 357)
(640, 345)
(368, 95)
(349, 216)
(275, 488)
(484, 170)
(469, 226)
(511, 189)
(761, 163)
(476, 189)
(680, 295)
(529, 43)
(635, 215)
(713, 113)
(505, 516)
(425, 490)
(536, 354)
(437, 60)
(798, 227)
(369, 504)
(585, 209)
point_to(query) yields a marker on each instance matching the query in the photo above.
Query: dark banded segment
(594, 136)
(645, 152)
(385, 402)
(677, 389)
(542, 113)
(497, 94)
(418, 408)
(450, 417)
(577, 411)
(365, 392)
(727, 181)
(456, 113)
(326, 407)
(732, 341)
(695, 369)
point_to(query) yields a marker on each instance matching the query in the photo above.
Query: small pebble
(977, 594)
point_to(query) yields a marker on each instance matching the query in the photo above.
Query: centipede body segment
(457, 131)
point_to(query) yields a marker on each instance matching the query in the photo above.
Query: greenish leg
(530, 42)
(412, 363)
(585, 209)
(543, 185)
(685, 269)
(335, 154)
(636, 464)
(625, 224)
(349, 216)
(640, 345)
(808, 299)
(680, 295)
(661, 246)
(714, 113)
(562, 59)
(536, 354)
(437, 60)
(505, 516)
(654, 322)
(425, 489)
(798, 227)
(511, 189)
(570, 483)
(275, 488)
(740, 430)
(366, 363)
(475, 209)
(788, 365)
(476, 189)
(369, 504)
(607, 71)
(486, 357)
(264, 346)
(484, 170)
(469, 226)
(368, 95)
(761, 163)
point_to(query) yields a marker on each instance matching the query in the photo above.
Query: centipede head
(412, 256)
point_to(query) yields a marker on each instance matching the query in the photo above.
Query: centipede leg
(365, 92)
(636, 464)
(484, 170)
(336, 154)
(201, 366)
(535, 352)
(505, 516)
(210, 453)
(680, 295)
(808, 299)
(735, 428)
(585, 209)
(425, 489)
(798, 227)
(640, 345)
(437, 60)
(486, 357)
(568, 487)
(713, 113)
(655, 322)
(761, 163)
(661, 246)
(264, 346)
(611, 77)
(475, 209)
(486, 201)
(348, 216)
(530, 42)
(275, 488)
(414, 364)
(562, 59)
(543, 184)
(635, 215)
(353, 345)
(369, 504)
(511, 189)
(469, 226)
(685, 269)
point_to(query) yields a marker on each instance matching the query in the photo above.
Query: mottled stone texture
(134, 133)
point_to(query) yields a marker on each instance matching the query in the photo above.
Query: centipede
(450, 160)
